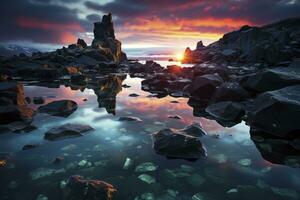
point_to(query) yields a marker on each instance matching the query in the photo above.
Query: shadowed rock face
(270, 44)
(104, 38)
(277, 112)
(13, 106)
(277, 150)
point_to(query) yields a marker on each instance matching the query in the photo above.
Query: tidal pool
(121, 153)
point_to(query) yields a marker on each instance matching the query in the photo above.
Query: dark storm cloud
(57, 21)
(38, 22)
(262, 11)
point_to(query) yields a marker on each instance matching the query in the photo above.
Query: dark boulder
(13, 106)
(81, 43)
(67, 131)
(130, 119)
(78, 188)
(230, 92)
(203, 87)
(79, 79)
(179, 143)
(272, 79)
(38, 100)
(226, 111)
(178, 85)
(62, 108)
(277, 112)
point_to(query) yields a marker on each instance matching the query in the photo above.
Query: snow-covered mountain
(10, 50)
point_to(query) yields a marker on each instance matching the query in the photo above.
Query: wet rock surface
(285, 102)
(67, 131)
(62, 108)
(78, 188)
(180, 143)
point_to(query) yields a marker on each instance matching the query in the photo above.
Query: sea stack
(104, 38)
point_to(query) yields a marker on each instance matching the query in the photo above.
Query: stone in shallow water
(245, 162)
(78, 188)
(220, 158)
(130, 119)
(133, 95)
(175, 143)
(62, 108)
(43, 172)
(128, 163)
(146, 167)
(145, 196)
(147, 178)
(67, 131)
(41, 197)
(174, 117)
(195, 180)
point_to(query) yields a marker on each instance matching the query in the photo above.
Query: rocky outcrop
(13, 106)
(67, 131)
(78, 188)
(271, 44)
(104, 38)
(277, 112)
(62, 108)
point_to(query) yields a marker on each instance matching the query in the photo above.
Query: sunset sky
(161, 25)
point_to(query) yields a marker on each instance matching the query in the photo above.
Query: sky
(143, 26)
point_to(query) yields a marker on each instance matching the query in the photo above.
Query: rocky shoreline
(251, 74)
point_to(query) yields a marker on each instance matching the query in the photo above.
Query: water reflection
(233, 169)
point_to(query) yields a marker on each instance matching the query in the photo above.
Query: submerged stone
(147, 178)
(41, 197)
(145, 196)
(245, 162)
(146, 167)
(67, 131)
(128, 163)
(195, 180)
(62, 108)
(175, 143)
(130, 119)
(78, 188)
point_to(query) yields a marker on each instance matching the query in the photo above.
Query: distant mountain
(10, 50)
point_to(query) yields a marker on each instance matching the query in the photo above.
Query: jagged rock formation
(104, 38)
(270, 44)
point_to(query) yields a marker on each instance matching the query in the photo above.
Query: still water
(233, 169)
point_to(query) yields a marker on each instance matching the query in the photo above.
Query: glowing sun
(179, 56)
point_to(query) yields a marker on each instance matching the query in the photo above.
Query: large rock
(78, 188)
(203, 87)
(277, 112)
(67, 131)
(104, 38)
(79, 79)
(13, 106)
(230, 92)
(227, 111)
(272, 79)
(62, 108)
(181, 143)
